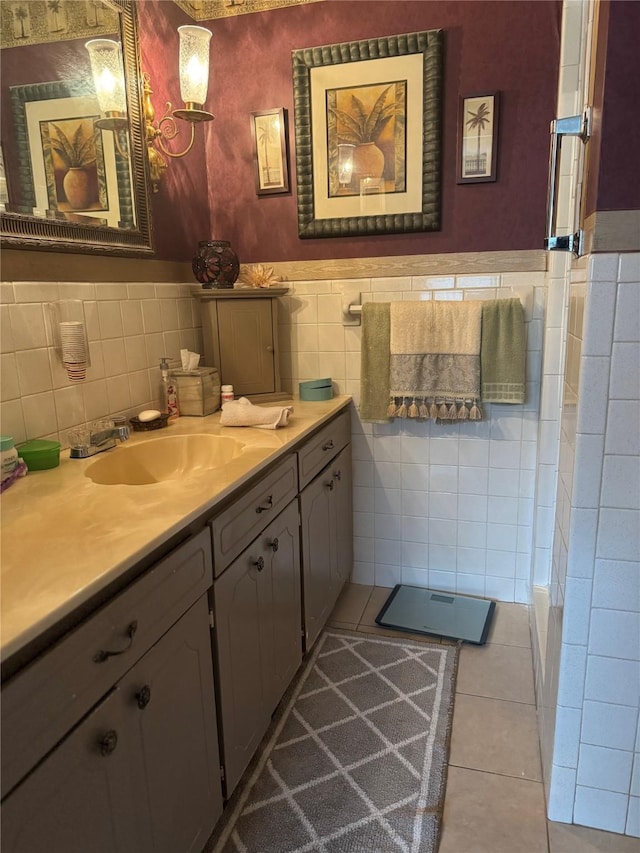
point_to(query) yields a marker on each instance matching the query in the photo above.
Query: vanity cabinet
(257, 637)
(240, 331)
(326, 514)
(136, 766)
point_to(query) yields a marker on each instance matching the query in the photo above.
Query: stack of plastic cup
(74, 349)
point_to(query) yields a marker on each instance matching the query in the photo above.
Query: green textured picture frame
(321, 213)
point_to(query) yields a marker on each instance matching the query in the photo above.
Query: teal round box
(316, 389)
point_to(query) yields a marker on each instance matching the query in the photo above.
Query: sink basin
(160, 459)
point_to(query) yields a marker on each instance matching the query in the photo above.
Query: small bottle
(226, 393)
(8, 456)
(168, 391)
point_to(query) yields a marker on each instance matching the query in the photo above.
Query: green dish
(39, 454)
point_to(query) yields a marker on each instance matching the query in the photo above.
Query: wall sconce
(108, 75)
(107, 69)
(194, 82)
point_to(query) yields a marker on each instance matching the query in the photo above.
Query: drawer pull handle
(108, 742)
(259, 564)
(143, 696)
(103, 655)
(330, 485)
(338, 475)
(274, 545)
(328, 445)
(268, 504)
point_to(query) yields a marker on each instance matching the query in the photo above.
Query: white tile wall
(450, 493)
(598, 515)
(129, 326)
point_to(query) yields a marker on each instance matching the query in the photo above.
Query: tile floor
(495, 797)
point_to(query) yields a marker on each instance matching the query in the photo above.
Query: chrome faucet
(101, 435)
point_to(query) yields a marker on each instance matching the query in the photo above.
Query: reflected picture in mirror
(72, 133)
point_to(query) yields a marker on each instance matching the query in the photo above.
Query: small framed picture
(269, 133)
(478, 138)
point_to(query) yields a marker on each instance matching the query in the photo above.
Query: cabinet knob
(269, 349)
(330, 485)
(104, 654)
(274, 545)
(143, 696)
(266, 505)
(108, 742)
(259, 563)
(337, 474)
(328, 445)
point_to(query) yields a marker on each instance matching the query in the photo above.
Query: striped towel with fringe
(435, 360)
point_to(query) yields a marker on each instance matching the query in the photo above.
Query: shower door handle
(579, 126)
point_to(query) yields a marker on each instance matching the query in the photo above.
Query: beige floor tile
(485, 813)
(496, 736)
(379, 595)
(510, 625)
(398, 635)
(565, 838)
(342, 626)
(351, 603)
(497, 672)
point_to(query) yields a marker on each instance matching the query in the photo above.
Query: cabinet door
(244, 659)
(169, 701)
(343, 507)
(326, 509)
(281, 550)
(259, 645)
(246, 337)
(87, 795)
(319, 556)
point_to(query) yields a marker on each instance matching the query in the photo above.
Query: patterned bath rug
(356, 760)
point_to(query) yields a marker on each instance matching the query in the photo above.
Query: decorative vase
(368, 161)
(77, 188)
(215, 264)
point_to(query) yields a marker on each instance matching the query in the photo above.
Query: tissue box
(198, 390)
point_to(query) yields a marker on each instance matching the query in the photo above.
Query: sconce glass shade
(194, 65)
(345, 163)
(107, 68)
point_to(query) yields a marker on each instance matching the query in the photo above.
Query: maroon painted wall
(511, 46)
(180, 208)
(613, 181)
(508, 46)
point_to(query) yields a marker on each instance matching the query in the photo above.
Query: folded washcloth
(503, 353)
(435, 360)
(242, 412)
(374, 364)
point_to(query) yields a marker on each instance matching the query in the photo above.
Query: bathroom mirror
(70, 180)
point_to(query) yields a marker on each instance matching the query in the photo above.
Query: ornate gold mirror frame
(20, 230)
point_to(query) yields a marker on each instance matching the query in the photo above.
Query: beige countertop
(65, 538)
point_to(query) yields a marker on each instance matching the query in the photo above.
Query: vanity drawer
(234, 528)
(46, 699)
(322, 447)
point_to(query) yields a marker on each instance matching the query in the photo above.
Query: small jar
(226, 393)
(8, 456)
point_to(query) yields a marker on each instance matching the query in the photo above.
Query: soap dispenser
(168, 391)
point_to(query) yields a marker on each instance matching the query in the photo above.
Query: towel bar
(352, 311)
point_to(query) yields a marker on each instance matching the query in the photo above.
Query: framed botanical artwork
(478, 138)
(367, 125)
(269, 134)
(69, 168)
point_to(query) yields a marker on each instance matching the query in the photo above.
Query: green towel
(503, 352)
(374, 366)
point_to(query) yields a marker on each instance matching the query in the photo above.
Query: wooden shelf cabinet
(240, 331)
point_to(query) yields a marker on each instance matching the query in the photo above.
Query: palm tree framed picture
(269, 134)
(368, 130)
(478, 138)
